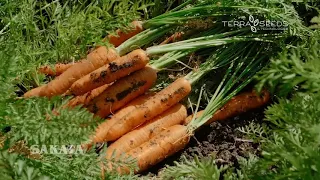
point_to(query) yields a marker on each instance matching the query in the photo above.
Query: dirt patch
(221, 140)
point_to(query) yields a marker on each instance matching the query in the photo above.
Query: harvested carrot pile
(136, 96)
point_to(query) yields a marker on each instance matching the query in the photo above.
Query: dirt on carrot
(115, 70)
(122, 92)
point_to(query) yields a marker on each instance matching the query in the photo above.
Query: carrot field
(163, 89)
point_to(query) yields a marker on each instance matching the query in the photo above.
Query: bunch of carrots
(150, 126)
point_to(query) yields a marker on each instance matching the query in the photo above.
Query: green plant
(205, 168)
(291, 150)
(295, 69)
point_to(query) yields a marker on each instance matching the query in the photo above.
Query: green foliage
(295, 69)
(12, 167)
(39, 121)
(55, 166)
(41, 32)
(194, 169)
(291, 150)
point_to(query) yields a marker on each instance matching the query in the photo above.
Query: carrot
(115, 40)
(123, 36)
(172, 38)
(123, 91)
(33, 92)
(103, 127)
(117, 69)
(86, 98)
(57, 70)
(127, 108)
(173, 116)
(239, 104)
(157, 104)
(159, 147)
(94, 60)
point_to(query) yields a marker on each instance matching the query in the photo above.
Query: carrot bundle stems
(169, 59)
(222, 57)
(142, 39)
(244, 68)
(209, 41)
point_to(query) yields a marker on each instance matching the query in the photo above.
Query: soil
(221, 140)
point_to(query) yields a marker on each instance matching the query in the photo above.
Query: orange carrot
(33, 92)
(176, 36)
(157, 104)
(57, 70)
(159, 147)
(173, 116)
(94, 60)
(122, 36)
(102, 128)
(115, 40)
(117, 69)
(239, 104)
(88, 97)
(176, 137)
(123, 91)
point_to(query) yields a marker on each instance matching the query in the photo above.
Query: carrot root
(33, 92)
(94, 60)
(57, 70)
(164, 144)
(135, 138)
(88, 97)
(176, 36)
(102, 129)
(122, 36)
(123, 91)
(117, 69)
(239, 104)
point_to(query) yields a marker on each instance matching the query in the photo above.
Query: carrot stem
(169, 59)
(222, 57)
(142, 38)
(208, 41)
(244, 68)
